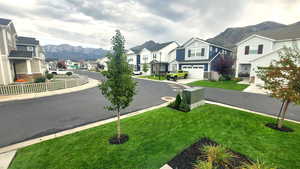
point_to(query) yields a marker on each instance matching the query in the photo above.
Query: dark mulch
(283, 128)
(187, 158)
(123, 138)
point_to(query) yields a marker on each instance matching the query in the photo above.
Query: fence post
(22, 86)
(46, 83)
(65, 83)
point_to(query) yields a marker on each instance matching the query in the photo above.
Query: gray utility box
(194, 96)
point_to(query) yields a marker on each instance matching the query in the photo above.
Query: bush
(69, 73)
(238, 79)
(41, 79)
(49, 76)
(225, 78)
(177, 101)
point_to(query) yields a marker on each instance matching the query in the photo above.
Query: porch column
(28, 66)
(237, 69)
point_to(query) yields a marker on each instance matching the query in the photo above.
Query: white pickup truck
(59, 72)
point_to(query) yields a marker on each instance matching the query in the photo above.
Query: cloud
(93, 22)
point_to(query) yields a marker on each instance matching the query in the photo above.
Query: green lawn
(231, 85)
(158, 135)
(153, 77)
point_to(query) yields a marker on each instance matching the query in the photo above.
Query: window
(29, 48)
(154, 56)
(189, 53)
(210, 48)
(260, 49)
(216, 50)
(247, 48)
(202, 51)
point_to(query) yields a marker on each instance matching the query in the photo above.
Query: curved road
(22, 120)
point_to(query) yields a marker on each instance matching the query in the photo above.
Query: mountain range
(228, 39)
(65, 51)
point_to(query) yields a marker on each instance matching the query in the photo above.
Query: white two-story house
(261, 48)
(197, 56)
(156, 57)
(20, 57)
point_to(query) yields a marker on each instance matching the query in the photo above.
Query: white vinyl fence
(42, 87)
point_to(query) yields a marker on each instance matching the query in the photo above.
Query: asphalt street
(22, 120)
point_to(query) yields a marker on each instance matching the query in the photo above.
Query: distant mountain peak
(66, 51)
(232, 35)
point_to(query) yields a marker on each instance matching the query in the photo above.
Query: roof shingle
(4, 21)
(27, 40)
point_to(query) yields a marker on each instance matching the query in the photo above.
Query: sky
(92, 23)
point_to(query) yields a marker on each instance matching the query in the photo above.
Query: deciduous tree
(282, 79)
(119, 86)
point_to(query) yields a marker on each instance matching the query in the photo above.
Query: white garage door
(195, 71)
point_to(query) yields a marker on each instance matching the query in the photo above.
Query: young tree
(282, 79)
(145, 67)
(119, 88)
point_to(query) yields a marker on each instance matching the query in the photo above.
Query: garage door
(195, 71)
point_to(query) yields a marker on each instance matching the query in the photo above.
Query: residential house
(102, 62)
(155, 57)
(198, 57)
(261, 48)
(20, 57)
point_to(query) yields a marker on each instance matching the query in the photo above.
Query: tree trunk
(280, 122)
(279, 114)
(119, 126)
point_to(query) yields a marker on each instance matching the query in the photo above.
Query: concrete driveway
(22, 120)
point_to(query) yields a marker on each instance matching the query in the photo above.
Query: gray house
(21, 57)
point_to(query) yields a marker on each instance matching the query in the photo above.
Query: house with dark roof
(198, 57)
(261, 48)
(21, 57)
(154, 55)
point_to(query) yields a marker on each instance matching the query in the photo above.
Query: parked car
(177, 75)
(60, 72)
(137, 73)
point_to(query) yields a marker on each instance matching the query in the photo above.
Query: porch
(159, 68)
(24, 66)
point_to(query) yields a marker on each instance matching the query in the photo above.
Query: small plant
(41, 79)
(203, 165)
(145, 67)
(177, 101)
(69, 73)
(49, 76)
(256, 165)
(184, 106)
(224, 78)
(217, 155)
(238, 79)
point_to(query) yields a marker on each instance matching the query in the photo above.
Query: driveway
(255, 102)
(22, 120)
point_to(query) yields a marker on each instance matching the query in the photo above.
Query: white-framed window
(216, 50)
(210, 48)
(29, 48)
(196, 52)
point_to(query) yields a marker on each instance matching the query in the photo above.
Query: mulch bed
(187, 158)
(123, 138)
(283, 128)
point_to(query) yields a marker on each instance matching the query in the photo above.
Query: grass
(158, 135)
(230, 84)
(152, 77)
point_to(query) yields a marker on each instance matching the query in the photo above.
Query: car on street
(59, 72)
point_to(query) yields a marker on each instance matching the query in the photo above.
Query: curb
(92, 83)
(74, 130)
(163, 81)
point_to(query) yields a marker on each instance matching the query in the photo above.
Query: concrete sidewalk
(90, 84)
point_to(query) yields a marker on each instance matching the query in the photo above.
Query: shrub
(256, 165)
(238, 79)
(217, 155)
(69, 73)
(225, 78)
(41, 79)
(184, 106)
(49, 76)
(203, 165)
(177, 101)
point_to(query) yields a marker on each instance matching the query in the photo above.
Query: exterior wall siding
(180, 54)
